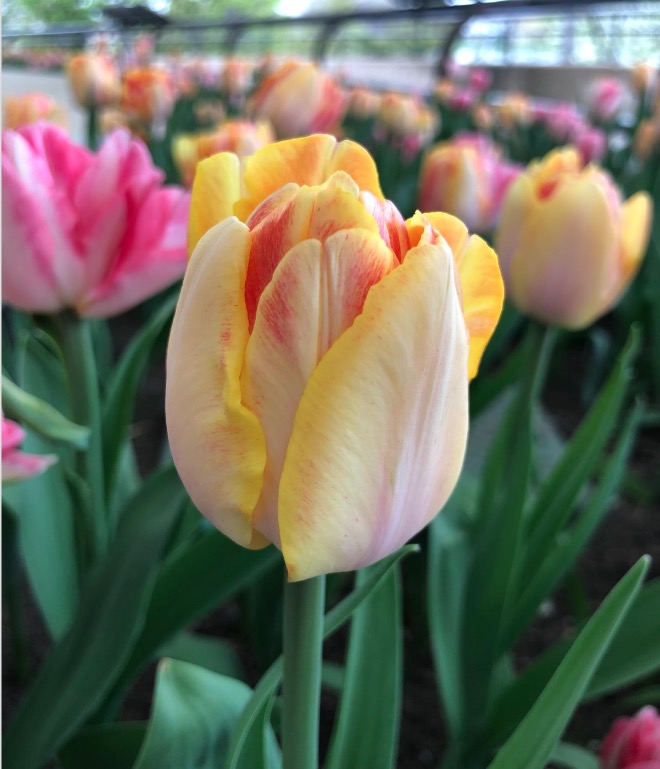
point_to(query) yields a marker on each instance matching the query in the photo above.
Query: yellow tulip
(318, 365)
(238, 136)
(568, 246)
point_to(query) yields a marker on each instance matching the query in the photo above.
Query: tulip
(605, 98)
(633, 743)
(515, 109)
(16, 464)
(299, 99)
(468, 178)
(97, 233)
(94, 80)
(241, 137)
(237, 76)
(318, 365)
(568, 246)
(647, 138)
(364, 103)
(147, 94)
(31, 107)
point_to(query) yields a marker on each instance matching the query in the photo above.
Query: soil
(631, 529)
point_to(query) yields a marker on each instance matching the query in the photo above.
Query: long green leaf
(498, 534)
(81, 669)
(41, 416)
(367, 730)
(205, 575)
(561, 489)
(574, 757)
(635, 651)
(248, 728)
(568, 547)
(532, 743)
(448, 563)
(193, 716)
(46, 516)
(120, 396)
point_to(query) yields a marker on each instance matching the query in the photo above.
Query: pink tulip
(633, 743)
(93, 232)
(480, 79)
(17, 465)
(591, 143)
(605, 98)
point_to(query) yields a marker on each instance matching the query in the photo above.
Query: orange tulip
(147, 94)
(94, 80)
(31, 107)
(317, 375)
(568, 246)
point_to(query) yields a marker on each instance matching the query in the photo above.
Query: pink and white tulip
(633, 743)
(97, 233)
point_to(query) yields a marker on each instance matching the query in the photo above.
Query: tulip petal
(452, 229)
(217, 444)
(516, 211)
(636, 217)
(576, 226)
(315, 294)
(380, 433)
(310, 160)
(482, 296)
(215, 191)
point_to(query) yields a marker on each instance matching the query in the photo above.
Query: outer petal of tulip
(18, 465)
(38, 218)
(550, 286)
(315, 294)
(311, 161)
(215, 190)
(217, 443)
(636, 218)
(481, 286)
(380, 433)
(151, 257)
(516, 211)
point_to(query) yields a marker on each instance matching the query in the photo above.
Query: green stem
(11, 588)
(92, 138)
(303, 656)
(75, 339)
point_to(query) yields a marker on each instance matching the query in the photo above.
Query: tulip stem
(75, 339)
(92, 135)
(304, 604)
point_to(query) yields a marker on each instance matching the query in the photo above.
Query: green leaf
(80, 670)
(208, 652)
(448, 560)
(569, 544)
(107, 746)
(203, 576)
(367, 729)
(532, 743)
(193, 716)
(574, 757)
(46, 516)
(635, 651)
(120, 396)
(248, 728)
(40, 416)
(498, 535)
(555, 501)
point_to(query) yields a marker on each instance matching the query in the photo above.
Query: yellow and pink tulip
(94, 80)
(568, 245)
(318, 365)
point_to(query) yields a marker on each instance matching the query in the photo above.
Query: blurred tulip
(147, 94)
(644, 77)
(468, 178)
(562, 120)
(513, 110)
(364, 103)
(238, 136)
(297, 336)
(299, 99)
(94, 80)
(96, 233)
(237, 76)
(407, 120)
(462, 100)
(568, 247)
(591, 144)
(605, 98)
(22, 110)
(480, 79)
(443, 90)
(633, 743)
(17, 465)
(647, 138)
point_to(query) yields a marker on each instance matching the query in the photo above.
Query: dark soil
(630, 530)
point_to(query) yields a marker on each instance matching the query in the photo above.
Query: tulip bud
(568, 246)
(94, 80)
(633, 743)
(16, 464)
(468, 178)
(147, 94)
(302, 321)
(30, 108)
(299, 99)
